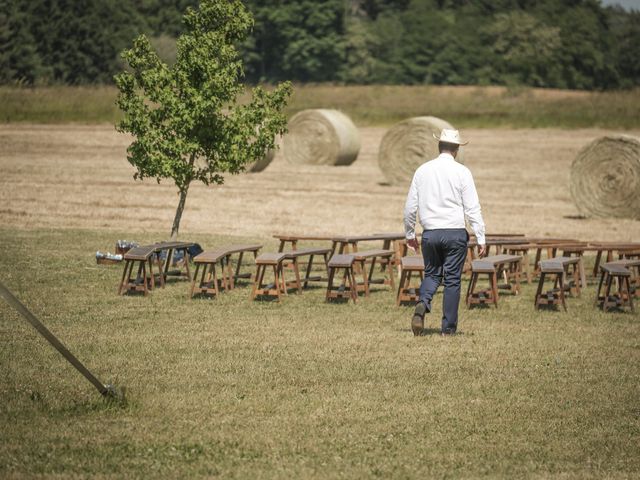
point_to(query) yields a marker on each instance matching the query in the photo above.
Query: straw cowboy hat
(449, 136)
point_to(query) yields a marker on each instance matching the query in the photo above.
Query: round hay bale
(409, 144)
(605, 177)
(321, 137)
(262, 163)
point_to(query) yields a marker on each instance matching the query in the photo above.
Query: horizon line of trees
(576, 44)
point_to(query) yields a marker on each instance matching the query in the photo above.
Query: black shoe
(417, 322)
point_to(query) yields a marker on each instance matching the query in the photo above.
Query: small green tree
(187, 119)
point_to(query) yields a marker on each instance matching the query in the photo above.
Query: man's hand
(413, 243)
(482, 250)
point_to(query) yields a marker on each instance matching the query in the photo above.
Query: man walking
(443, 193)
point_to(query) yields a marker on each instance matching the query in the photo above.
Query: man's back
(440, 184)
(443, 192)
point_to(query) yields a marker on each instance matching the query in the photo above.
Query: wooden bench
(624, 295)
(409, 266)
(240, 250)
(208, 260)
(493, 266)
(633, 264)
(371, 257)
(491, 241)
(171, 247)
(348, 288)
(559, 267)
(278, 287)
(623, 249)
(548, 245)
(295, 255)
(396, 242)
(144, 279)
(294, 239)
(209, 281)
(523, 251)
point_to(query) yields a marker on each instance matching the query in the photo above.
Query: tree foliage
(548, 43)
(186, 118)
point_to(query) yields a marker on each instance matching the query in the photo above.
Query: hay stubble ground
(78, 177)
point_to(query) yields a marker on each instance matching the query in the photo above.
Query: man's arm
(472, 210)
(410, 209)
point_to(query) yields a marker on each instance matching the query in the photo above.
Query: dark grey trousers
(444, 252)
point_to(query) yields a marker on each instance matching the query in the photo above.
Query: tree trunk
(178, 216)
(184, 188)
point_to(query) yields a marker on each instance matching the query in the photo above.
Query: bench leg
(354, 285)
(237, 274)
(561, 282)
(401, 287)
(598, 298)
(231, 281)
(296, 272)
(257, 281)
(582, 274)
(607, 292)
(471, 287)
(526, 267)
(539, 290)
(596, 264)
(276, 281)
(372, 267)
(124, 275)
(536, 262)
(517, 267)
(365, 278)
(214, 278)
(577, 279)
(391, 274)
(206, 276)
(185, 255)
(195, 277)
(280, 268)
(307, 273)
(151, 275)
(144, 277)
(332, 272)
(494, 287)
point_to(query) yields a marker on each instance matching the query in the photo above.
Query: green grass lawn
(242, 389)
(464, 107)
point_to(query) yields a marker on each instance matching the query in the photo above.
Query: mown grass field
(302, 389)
(481, 107)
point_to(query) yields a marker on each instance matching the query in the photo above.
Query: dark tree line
(543, 43)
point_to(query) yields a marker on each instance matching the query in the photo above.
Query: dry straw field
(78, 177)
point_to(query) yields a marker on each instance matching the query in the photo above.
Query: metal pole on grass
(105, 390)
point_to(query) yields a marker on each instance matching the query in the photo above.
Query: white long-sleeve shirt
(443, 193)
